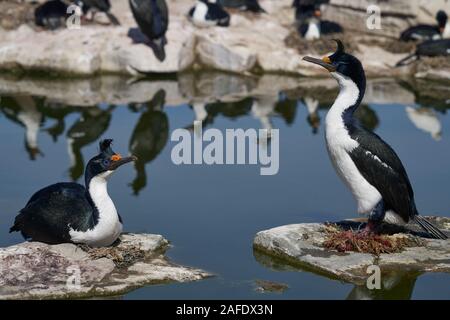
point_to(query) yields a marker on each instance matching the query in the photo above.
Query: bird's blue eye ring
(106, 162)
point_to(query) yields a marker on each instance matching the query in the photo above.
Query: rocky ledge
(302, 246)
(34, 270)
(242, 48)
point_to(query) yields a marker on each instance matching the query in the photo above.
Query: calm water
(50, 129)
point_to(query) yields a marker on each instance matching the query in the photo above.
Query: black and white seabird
(368, 165)
(70, 212)
(51, 14)
(97, 5)
(311, 26)
(207, 14)
(152, 17)
(423, 32)
(429, 48)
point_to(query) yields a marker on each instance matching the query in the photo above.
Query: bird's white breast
(313, 31)
(199, 16)
(108, 228)
(340, 144)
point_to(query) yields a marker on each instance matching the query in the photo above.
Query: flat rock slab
(34, 270)
(301, 245)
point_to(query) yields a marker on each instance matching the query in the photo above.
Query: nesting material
(350, 240)
(121, 257)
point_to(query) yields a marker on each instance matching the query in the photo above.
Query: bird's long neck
(97, 193)
(348, 100)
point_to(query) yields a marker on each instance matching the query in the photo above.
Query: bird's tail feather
(113, 19)
(405, 61)
(158, 48)
(430, 228)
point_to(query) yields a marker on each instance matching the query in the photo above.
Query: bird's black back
(51, 210)
(420, 32)
(102, 5)
(216, 12)
(433, 48)
(328, 27)
(50, 14)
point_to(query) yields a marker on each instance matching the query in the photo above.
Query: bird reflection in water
(394, 285)
(58, 112)
(93, 122)
(425, 119)
(149, 137)
(24, 111)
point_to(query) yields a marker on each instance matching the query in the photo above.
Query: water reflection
(209, 95)
(82, 110)
(395, 285)
(149, 136)
(87, 129)
(398, 285)
(426, 120)
(23, 110)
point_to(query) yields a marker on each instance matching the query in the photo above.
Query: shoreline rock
(242, 48)
(299, 246)
(34, 270)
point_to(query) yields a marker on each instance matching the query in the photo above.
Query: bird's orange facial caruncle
(324, 62)
(116, 157)
(326, 59)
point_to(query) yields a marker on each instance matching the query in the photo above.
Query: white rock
(33, 270)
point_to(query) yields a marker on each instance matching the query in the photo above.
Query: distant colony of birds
(369, 167)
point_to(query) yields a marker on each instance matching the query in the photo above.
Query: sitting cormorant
(152, 17)
(51, 14)
(368, 165)
(430, 48)
(207, 14)
(98, 5)
(428, 32)
(69, 212)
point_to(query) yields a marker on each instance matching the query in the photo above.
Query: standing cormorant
(368, 165)
(152, 17)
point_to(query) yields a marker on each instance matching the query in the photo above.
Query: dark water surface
(211, 213)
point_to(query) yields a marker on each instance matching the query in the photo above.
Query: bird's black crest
(105, 144)
(340, 46)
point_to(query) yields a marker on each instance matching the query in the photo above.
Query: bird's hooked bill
(117, 161)
(324, 62)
